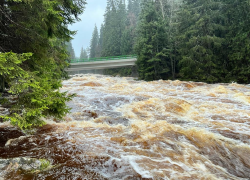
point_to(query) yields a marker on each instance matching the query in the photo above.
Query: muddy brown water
(120, 128)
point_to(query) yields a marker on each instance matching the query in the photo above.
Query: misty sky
(92, 15)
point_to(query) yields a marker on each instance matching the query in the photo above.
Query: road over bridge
(102, 63)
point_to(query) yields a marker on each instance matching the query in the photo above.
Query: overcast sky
(92, 15)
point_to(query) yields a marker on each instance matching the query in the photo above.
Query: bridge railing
(103, 58)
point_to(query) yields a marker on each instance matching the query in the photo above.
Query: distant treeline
(197, 40)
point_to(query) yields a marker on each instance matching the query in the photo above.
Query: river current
(120, 128)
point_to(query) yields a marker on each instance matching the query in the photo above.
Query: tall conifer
(238, 40)
(114, 25)
(151, 44)
(94, 43)
(202, 37)
(70, 50)
(32, 43)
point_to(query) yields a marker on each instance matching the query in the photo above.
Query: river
(120, 128)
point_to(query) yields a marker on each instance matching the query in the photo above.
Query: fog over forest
(93, 14)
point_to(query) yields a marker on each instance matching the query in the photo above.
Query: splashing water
(120, 128)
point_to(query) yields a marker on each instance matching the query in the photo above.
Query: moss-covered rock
(24, 165)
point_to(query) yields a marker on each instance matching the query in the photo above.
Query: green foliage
(44, 164)
(198, 40)
(100, 42)
(152, 58)
(10, 65)
(114, 25)
(213, 41)
(94, 43)
(34, 97)
(118, 33)
(127, 42)
(238, 43)
(33, 57)
(129, 34)
(202, 37)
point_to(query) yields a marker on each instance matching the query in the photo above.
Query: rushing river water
(120, 128)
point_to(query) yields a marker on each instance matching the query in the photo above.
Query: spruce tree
(127, 43)
(202, 36)
(151, 44)
(168, 11)
(114, 25)
(238, 43)
(94, 43)
(129, 34)
(100, 41)
(33, 57)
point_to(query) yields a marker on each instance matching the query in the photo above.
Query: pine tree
(94, 43)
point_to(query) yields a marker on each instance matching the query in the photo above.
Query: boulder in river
(23, 165)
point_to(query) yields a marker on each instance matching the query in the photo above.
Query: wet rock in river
(7, 133)
(24, 165)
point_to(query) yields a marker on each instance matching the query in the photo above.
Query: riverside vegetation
(33, 57)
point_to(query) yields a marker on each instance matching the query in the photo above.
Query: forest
(192, 40)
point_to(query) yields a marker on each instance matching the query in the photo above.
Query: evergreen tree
(127, 42)
(129, 34)
(114, 25)
(238, 43)
(202, 35)
(70, 50)
(133, 12)
(199, 40)
(32, 58)
(168, 12)
(94, 43)
(121, 40)
(84, 54)
(151, 44)
(100, 41)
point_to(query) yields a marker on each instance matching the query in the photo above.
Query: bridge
(102, 63)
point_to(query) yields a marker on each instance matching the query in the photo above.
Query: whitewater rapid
(121, 128)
